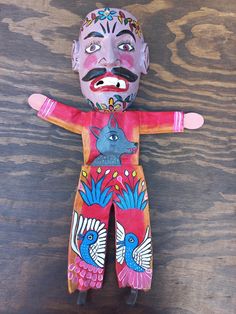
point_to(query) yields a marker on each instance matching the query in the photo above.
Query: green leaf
(118, 97)
(98, 105)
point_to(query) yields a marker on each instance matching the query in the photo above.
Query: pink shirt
(110, 138)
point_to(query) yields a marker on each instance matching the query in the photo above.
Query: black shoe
(132, 298)
(82, 298)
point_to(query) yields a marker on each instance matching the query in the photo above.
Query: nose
(109, 62)
(110, 57)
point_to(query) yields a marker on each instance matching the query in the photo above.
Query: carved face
(110, 57)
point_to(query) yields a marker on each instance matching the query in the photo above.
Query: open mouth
(109, 82)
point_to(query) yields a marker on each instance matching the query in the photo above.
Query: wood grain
(191, 177)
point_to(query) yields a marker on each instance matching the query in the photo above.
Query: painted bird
(137, 273)
(88, 241)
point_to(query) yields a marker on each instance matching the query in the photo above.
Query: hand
(36, 101)
(193, 121)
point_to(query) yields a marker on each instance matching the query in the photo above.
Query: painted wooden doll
(110, 56)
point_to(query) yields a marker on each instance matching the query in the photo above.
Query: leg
(88, 234)
(133, 237)
(132, 298)
(82, 297)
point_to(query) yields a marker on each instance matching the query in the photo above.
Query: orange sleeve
(161, 122)
(62, 115)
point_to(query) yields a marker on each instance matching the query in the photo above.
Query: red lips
(115, 84)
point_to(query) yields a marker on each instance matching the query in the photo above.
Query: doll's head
(110, 56)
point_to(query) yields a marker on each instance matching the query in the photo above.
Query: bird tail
(136, 280)
(84, 276)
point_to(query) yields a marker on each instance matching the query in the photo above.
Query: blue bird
(92, 233)
(89, 238)
(130, 242)
(136, 256)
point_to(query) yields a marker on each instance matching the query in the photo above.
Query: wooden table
(191, 176)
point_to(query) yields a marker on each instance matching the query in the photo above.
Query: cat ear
(75, 56)
(112, 123)
(96, 131)
(145, 59)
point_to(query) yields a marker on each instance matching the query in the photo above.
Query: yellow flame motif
(115, 174)
(134, 173)
(84, 174)
(111, 101)
(99, 170)
(117, 187)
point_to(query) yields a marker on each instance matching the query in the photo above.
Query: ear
(145, 59)
(96, 131)
(75, 56)
(112, 123)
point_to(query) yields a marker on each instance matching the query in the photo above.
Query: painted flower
(106, 14)
(114, 105)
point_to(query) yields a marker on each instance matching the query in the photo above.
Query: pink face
(110, 57)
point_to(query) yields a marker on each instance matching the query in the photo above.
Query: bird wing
(142, 254)
(78, 227)
(120, 249)
(97, 250)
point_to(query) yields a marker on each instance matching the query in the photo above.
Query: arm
(168, 122)
(52, 111)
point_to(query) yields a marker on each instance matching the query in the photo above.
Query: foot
(82, 297)
(132, 298)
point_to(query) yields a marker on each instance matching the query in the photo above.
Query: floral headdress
(109, 14)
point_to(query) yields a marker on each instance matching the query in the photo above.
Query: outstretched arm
(55, 112)
(168, 122)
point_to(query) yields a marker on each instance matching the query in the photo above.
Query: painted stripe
(178, 121)
(52, 105)
(47, 107)
(44, 107)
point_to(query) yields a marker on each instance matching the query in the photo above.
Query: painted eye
(90, 237)
(131, 240)
(126, 47)
(92, 48)
(113, 137)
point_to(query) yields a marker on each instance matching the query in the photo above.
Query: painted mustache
(122, 72)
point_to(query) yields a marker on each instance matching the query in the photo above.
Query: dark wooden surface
(191, 176)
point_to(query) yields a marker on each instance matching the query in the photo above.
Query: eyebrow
(126, 31)
(94, 34)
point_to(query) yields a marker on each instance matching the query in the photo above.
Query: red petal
(121, 14)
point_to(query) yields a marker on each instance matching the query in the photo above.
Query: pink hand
(193, 121)
(36, 101)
